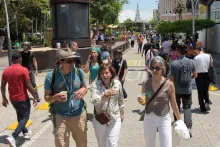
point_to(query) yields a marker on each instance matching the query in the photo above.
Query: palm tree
(180, 8)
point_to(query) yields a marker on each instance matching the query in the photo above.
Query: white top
(116, 104)
(202, 62)
(166, 47)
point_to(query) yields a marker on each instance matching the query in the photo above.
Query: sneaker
(11, 141)
(125, 99)
(207, 107)
(27, 135)
(210, 102)
(190, 133)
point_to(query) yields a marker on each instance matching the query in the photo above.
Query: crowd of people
(170, 71)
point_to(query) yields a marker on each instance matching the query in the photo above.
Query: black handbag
(212, 72)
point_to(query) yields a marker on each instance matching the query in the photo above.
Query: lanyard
(67, 87)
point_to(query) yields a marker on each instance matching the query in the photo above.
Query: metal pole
(8, 33)
(16, 23)
(193, 22)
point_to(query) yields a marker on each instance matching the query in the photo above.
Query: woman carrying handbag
(158, 93)
(108, 101)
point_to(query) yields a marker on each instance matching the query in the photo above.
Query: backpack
(52, 105)
(184, 77)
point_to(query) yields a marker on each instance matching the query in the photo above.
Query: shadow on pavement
(138, 111)
(89, 117)
(197, 111)
(48, 119)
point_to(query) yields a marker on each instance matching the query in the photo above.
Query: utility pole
(8, 33)
(193, 22)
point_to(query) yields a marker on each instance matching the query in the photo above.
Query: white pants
(163, 124)
(107, 136)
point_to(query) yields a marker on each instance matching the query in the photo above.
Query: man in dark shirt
(74, 47)
(117, 63)
(29, 61)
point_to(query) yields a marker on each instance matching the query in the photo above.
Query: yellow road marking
(136, 63)
(43, 106)
(15, 124)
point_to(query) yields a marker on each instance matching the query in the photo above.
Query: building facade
(166, 10)
(210, 37)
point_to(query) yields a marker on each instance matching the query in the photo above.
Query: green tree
(184, 26)
(153, 22)
(179, 9)
(106, 11)
(26, 11)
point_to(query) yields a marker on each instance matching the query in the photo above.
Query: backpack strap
(79, 74)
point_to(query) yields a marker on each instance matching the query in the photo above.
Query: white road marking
(135, 62)
(144, 76)
(214, 93)
(37, 135)
(138, 75)
(139, 64)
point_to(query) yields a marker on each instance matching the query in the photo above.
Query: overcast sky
(145, 6)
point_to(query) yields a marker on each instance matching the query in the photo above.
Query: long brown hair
(103, 67)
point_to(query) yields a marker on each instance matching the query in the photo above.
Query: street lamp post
(193, 22)
(8, 33)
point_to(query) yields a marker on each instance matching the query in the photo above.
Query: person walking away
(132, 40)
(182, 71)
(107, 98)
(64, 89)
(18, 80)
(74, 47)
(202, 62)
(105, 54)
(29, 61)
(140, 41)
(147, 46)
(157, 112)
(124, 37)
(93, 63)
(121, 68)
(166, 46)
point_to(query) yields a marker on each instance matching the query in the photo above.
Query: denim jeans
(22, 109)
(33, 82)
(187, 102)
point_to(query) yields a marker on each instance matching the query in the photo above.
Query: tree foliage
(153, 22)
(183, 26)
(106, 11)
(179, 9)
(26, 11)
(130, 25)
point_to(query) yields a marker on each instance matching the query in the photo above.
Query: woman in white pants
(157, 113)
(107, 96)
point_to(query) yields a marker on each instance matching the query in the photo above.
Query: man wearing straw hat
(65, 88)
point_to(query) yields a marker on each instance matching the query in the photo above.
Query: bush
(184, 26)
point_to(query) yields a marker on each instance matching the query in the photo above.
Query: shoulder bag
(151, 99)
(117, 77)
(103, 118)
(212, 72)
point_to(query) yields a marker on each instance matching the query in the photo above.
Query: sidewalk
(206, 127)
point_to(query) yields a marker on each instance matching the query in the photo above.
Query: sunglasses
(157, 68)
(68, 61)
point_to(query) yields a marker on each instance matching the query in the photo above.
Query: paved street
(206, 127)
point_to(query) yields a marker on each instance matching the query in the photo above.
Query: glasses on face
(157, 68)
(68, 61)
